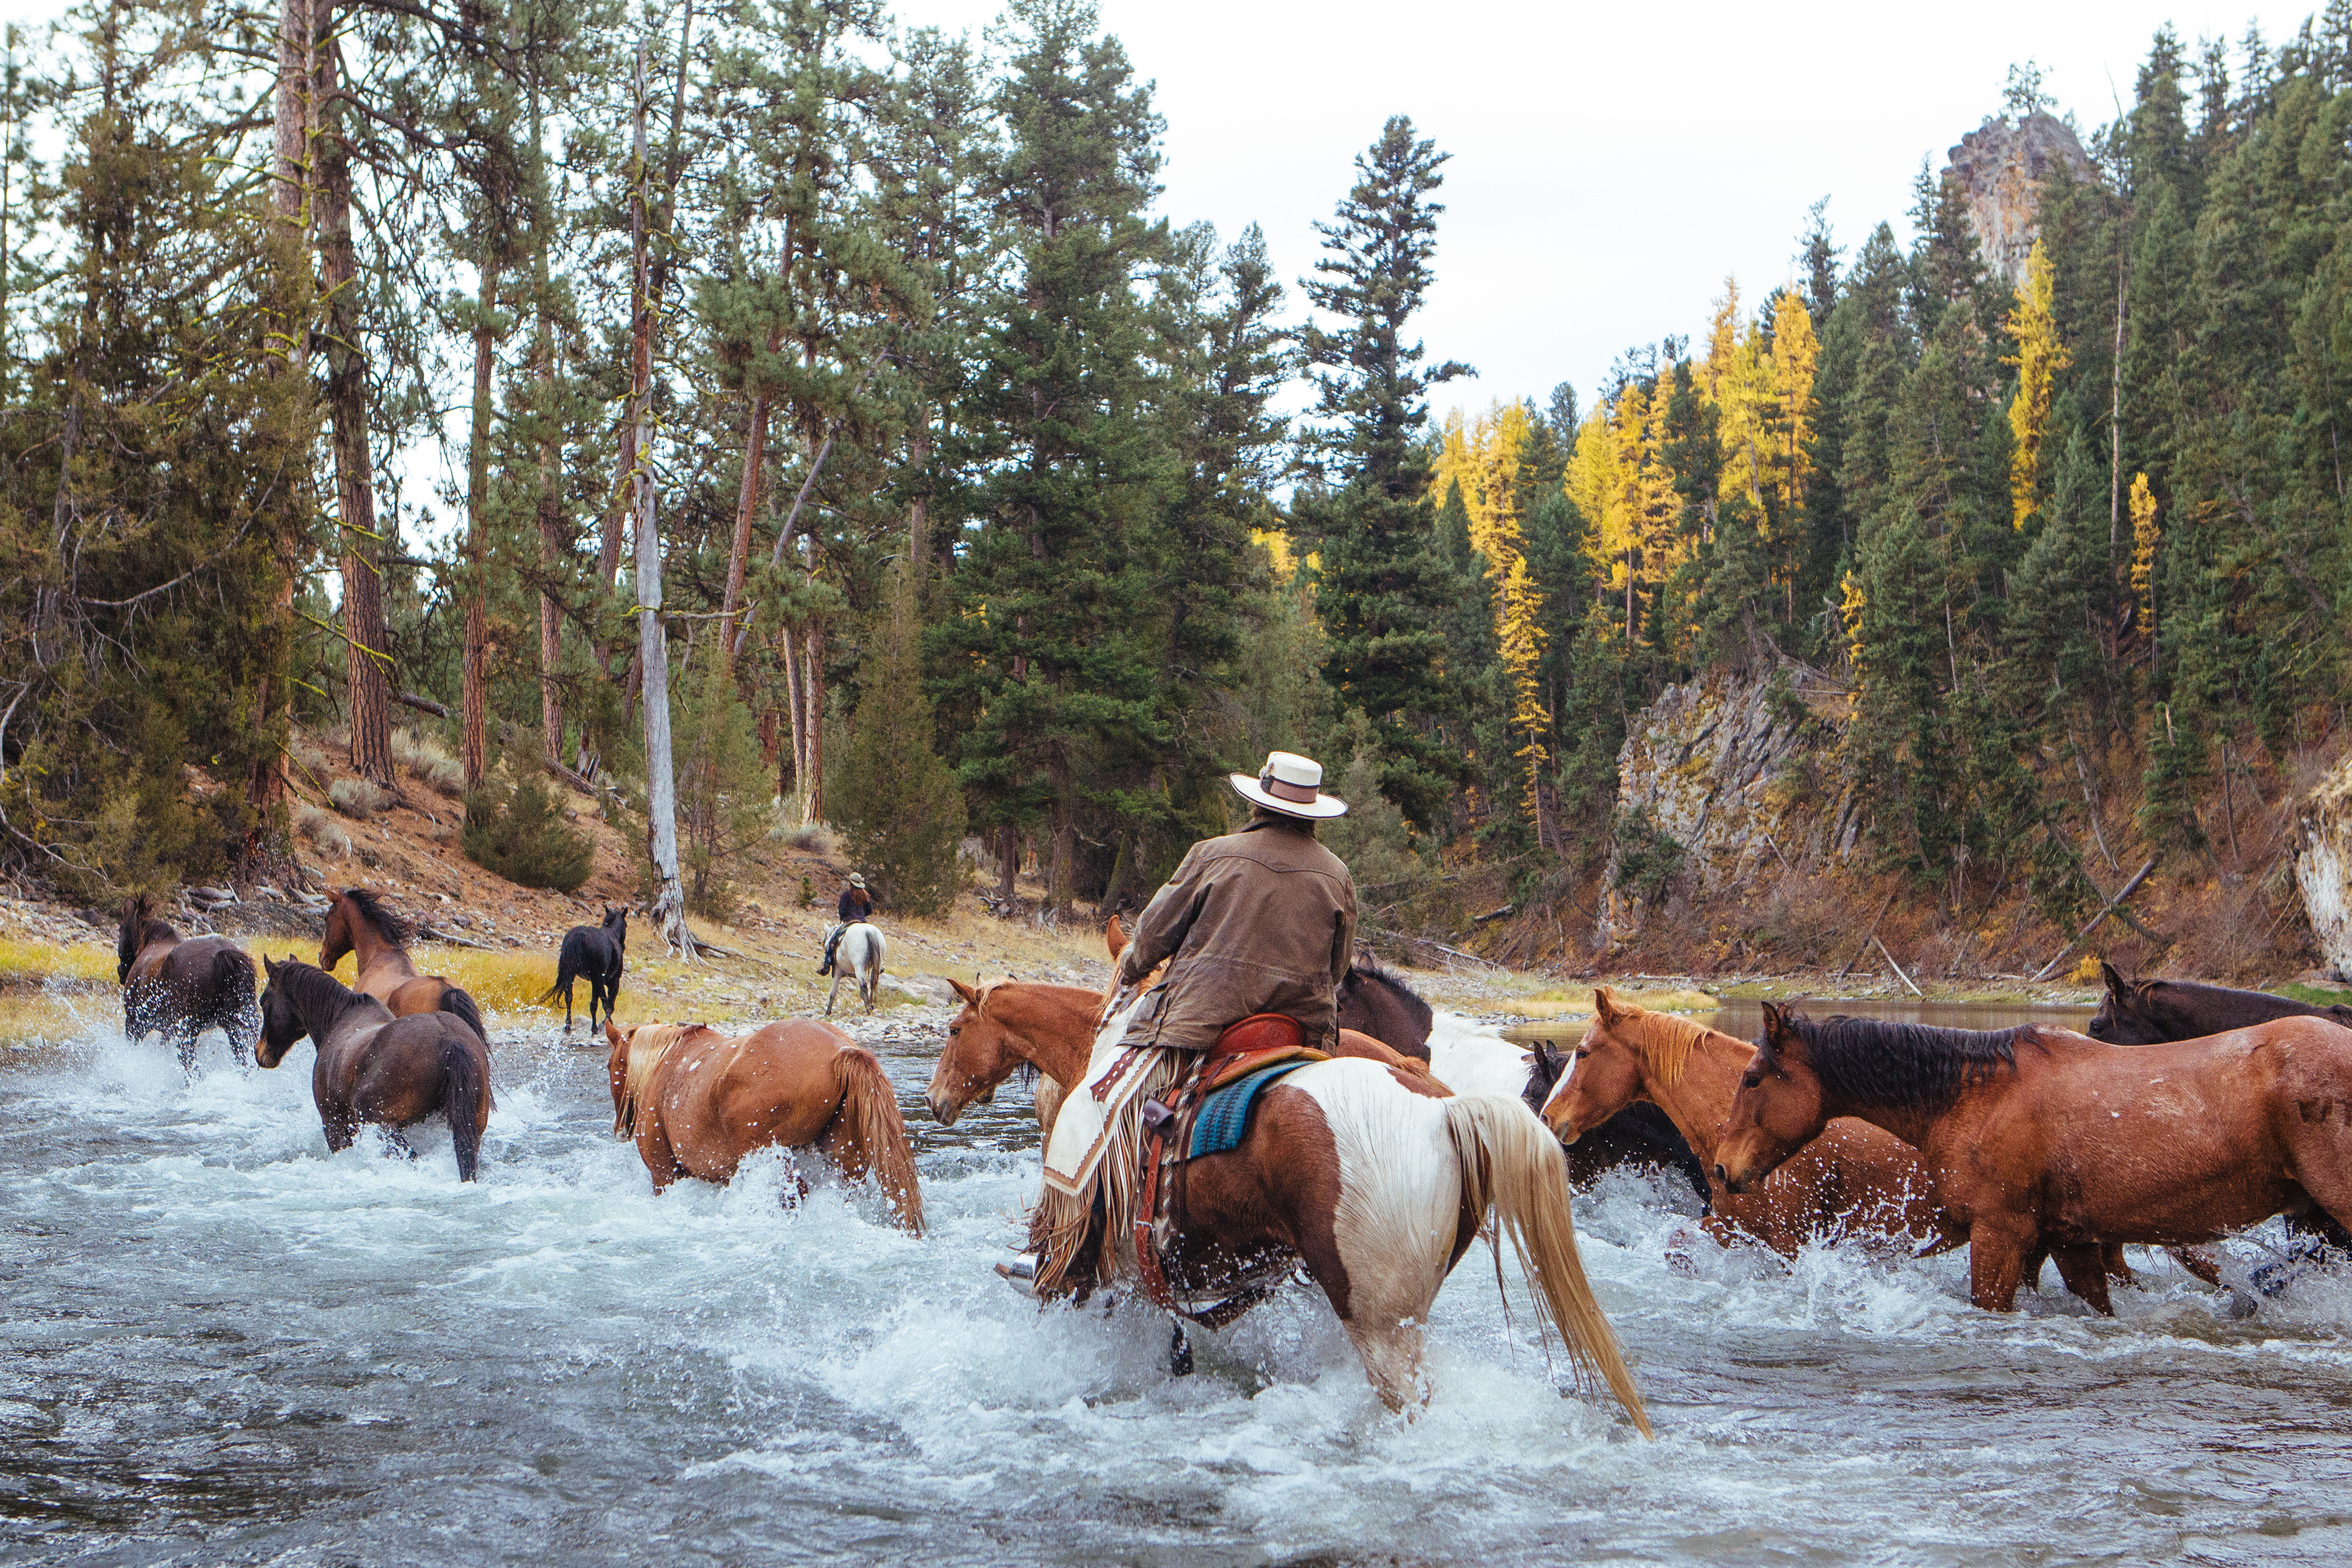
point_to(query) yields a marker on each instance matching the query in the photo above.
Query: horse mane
(140, 926)
(637, 1076)
(311, 987)
(1898, 1066)
(1663, 1040)
(378, 914)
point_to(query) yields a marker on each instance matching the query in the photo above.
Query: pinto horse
(697, 1102)
(359, 920)
(182, 986)
(2036, 1137)
(372, 1066)
(1372, 1177)
(1853, 1180)
(594, 954)
(863, 948)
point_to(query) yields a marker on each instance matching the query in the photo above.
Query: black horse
(592, 953)
(183, 987)
(1374, 1000)
(2151, 1012)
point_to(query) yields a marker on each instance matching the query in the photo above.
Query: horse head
(131, 935)
(617, 922)
(281, 1023)
(981, 1054)
(2123, 1018)
(1778, 1110)
(1603, 1076)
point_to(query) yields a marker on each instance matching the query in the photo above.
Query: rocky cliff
(2001, 167)
(1735, 777)
(2323, 865)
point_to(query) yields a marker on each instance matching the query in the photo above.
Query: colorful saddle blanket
(1224, 1119)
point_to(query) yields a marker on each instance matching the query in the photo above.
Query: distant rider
(856, 904)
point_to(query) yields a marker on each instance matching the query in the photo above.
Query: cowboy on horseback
(1258, 922)
(1262, 921)
(856, 904)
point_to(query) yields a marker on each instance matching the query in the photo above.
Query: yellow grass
(41, 963)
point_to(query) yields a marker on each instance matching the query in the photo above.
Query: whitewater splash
(221, 1342)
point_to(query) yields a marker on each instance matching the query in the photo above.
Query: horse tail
(567, 969)
(457, 1002)
(465, 1096)
(868, 1133)
(1512, 1162)
(234, 1003)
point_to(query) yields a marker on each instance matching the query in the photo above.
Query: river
(222, 1345)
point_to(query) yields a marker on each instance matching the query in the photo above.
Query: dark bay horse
(372, 1066)
(1369, 1176)
(2037, 1138)
(697, 1102)
(2151, 1012)
(360, 921)
(594, 954)
(182, 986)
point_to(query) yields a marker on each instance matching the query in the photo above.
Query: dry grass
(357, 798)
(30, 965)
(428, 761)
(322, 830)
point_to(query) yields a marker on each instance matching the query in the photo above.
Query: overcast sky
(1612, 163)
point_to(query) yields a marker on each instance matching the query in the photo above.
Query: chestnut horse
(697, 1102)
(183, 987)
(358, 920)
(1371, 1177)
(1853, 1180)
(2036, 1137)
(372, 1066)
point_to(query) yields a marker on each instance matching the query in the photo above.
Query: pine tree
(1382, 588)
(2039, 359)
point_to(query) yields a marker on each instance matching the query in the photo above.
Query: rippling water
(221, 1344)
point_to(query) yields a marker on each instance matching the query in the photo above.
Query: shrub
(814, 839)
(1648, 859)
(357, 798)
(428, 761)
(520, 835)
(321, 829)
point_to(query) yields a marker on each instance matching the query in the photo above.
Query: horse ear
(611, 1032)
(1114, 937)
(2118, 986)
(1604, 1002)
(1780, 1028)
(971, 997)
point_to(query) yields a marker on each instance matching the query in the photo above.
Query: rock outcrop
(2001, 167)
(1742, 780)
(2323, 865)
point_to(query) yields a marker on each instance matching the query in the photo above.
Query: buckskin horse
(695, 1102)
(1373, 1178)
(358, 920)
(594, 954)
(2036, 1137)
(375, 1067)
(182, 986)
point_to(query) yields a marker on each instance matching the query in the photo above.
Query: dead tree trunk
(475, 673)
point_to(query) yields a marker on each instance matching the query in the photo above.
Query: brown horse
(1371, 1177)
(372, 1066)
(2035, 1137)
(697, 1102)
(359, 920)
(183, 987)
(1853, 1180)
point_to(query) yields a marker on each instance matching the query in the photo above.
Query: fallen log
(2090, 925)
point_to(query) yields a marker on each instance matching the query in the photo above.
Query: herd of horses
(2185, 1114)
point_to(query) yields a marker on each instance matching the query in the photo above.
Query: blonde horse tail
(868, 1135)
(1512, 1162)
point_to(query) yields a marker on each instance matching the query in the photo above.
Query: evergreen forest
(838, 431)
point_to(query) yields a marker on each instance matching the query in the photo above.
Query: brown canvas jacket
(1262, 921)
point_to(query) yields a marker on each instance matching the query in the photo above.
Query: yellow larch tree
(2145, 539)
(2040, 357)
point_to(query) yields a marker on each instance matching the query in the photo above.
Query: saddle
(1247, 1058)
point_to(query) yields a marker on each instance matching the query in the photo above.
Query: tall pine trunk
(653, 646)
(474, 701)
(347, 413)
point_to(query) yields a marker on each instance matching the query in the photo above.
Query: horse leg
(832, 994)
(399, 1141)
(2084, 1269)
(2111, 1257)
(1997, 1255)
(182, 1035)
(1180, 1350)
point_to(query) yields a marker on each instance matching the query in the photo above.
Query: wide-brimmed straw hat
(1291, 784)
(856, 880)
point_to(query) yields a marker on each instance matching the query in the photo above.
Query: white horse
(862, 950)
